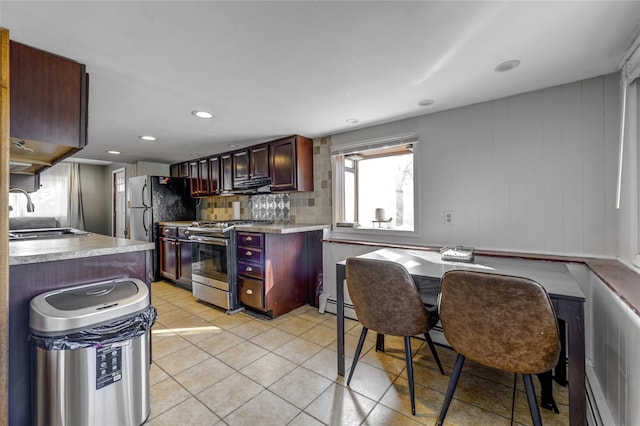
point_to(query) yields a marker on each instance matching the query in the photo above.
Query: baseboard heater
(598, 413)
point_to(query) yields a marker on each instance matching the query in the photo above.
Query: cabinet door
(292, 164)
(214, 175)
(199, 177)
(168, 260)
(226, 172)
(174, 170)
(49, 96)
(203, 177)
(259, 161)
(183, 248)
(179, 169)
(194, 182)
(240, 166)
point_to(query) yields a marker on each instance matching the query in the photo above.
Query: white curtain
(59, 196)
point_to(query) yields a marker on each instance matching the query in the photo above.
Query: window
(374, 184)
(54, 198)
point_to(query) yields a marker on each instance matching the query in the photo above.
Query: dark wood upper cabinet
(292, 164)
(199, 177)
(48, 101)
(179, 169)
(226, 172)
(241, 166)
(48, 97)
(259, 161)
(251, 163)
(287, 161)
(214, 175)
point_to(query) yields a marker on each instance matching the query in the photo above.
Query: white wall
(629, 192)
(533, 172)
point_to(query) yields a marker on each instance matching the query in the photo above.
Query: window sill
(373, 232)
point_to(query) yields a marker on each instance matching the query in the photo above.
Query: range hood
(252, 186)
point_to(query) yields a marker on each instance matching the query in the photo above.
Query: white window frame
(338, 183)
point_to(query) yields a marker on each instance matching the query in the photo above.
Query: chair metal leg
(531, 398)
(380, 343)
(408, 357)
(363, 335)
(451, 388)
(433, 351)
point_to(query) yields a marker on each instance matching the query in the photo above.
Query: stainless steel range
(214, 265)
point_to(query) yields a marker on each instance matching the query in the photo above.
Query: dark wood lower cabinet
(277, 273)
(29, 280)
(174, 255)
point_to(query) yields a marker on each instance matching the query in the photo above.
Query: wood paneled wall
(533, 172)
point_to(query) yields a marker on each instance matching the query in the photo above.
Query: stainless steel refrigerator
(158, 199)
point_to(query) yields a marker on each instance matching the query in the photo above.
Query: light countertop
(48, 250)
(281, 228)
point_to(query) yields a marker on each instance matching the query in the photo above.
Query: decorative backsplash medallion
(274, 207)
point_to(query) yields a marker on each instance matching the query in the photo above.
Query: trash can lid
(71, 309)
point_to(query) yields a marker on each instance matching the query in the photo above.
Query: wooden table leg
(572, 312)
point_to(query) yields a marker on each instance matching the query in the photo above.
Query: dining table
(565, 294)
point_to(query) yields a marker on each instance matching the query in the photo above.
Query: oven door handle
(209, 240)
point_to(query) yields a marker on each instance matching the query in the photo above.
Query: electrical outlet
(448, 217)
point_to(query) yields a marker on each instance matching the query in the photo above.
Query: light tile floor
(210, 368)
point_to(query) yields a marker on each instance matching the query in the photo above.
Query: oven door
(209, 272)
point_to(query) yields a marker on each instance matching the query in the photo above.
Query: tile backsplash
(274, 207)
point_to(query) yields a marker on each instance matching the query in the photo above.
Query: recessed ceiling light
(113, 152)
(352, 120)
(203, 114)
(148, 138)
(232, 145)
(507, 66)
(426, 102)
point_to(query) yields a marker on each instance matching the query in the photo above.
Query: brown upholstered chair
(499, 321)
(387, 301)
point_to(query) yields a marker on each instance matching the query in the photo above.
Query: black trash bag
(101, 335)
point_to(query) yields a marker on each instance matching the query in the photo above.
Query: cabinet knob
(249, 291)
(248, 269)
(248, 253)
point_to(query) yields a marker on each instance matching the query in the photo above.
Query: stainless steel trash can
(91, 354)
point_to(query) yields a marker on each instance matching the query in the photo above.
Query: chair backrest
(385, 297)
(500, 321)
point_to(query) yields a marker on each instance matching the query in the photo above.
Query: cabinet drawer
(250, 239)
(250, 292)
(250, 269)
(250, 254)
(168, 231)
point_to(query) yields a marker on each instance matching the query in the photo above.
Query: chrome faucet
(30, 206)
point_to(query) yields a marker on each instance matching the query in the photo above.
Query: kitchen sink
(44, 233)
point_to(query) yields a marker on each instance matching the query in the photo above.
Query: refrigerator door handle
(144, 200)
(144, 222)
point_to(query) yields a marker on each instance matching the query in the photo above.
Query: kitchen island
(38, 266)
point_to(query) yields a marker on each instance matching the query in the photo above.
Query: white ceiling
(269, 69)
